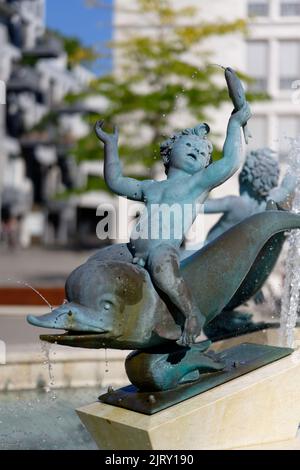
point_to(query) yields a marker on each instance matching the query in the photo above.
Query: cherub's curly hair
(260, 171)
(201, 131)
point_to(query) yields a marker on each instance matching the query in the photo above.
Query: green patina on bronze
(220, 274)
(237, 361)
(138, 296)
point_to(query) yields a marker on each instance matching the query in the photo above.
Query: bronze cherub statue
(139, 296)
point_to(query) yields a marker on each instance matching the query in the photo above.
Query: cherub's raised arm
(218, 172)
(283, 194)
(214, 206)
(113, 176)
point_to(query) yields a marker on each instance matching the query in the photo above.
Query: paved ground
(39, 266)
(39, 420)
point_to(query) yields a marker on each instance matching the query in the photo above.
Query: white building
(273, 58)
(269, 52)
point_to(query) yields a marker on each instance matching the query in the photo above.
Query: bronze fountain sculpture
(139, 296)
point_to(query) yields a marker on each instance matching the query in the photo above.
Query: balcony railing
(258, 9)
(290, 9)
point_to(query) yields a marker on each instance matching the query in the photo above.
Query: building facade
(269, 52)
(34, 71)
(273, 60)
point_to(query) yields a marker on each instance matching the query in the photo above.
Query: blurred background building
(36, 160)
(269, 53)
(36, 163)
(273, 60)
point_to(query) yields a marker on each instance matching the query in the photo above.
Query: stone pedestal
(260, 407)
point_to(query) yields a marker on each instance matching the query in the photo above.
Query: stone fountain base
(255, 409)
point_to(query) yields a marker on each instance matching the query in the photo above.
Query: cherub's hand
(243, 115)
(104, 136)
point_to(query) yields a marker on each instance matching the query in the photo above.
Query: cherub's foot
(191, 332)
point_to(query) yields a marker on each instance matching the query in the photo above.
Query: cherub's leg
(164, 268)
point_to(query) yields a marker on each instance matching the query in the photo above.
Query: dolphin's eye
(106, 304)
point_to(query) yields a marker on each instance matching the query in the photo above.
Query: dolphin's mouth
(76, 334)
(76, 338)
(53, 322)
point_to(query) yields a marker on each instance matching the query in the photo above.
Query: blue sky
(92, 25)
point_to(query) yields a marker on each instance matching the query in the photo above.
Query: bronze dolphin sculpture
(112, 303)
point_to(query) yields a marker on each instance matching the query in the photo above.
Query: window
(289, 52)
(289, 128)
(258, 8)
(290, 7)
(257, 65)
(258, 126)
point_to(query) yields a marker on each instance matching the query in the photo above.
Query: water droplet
(26, 284)
(46, 347)
(106, 362)
(291, 290)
